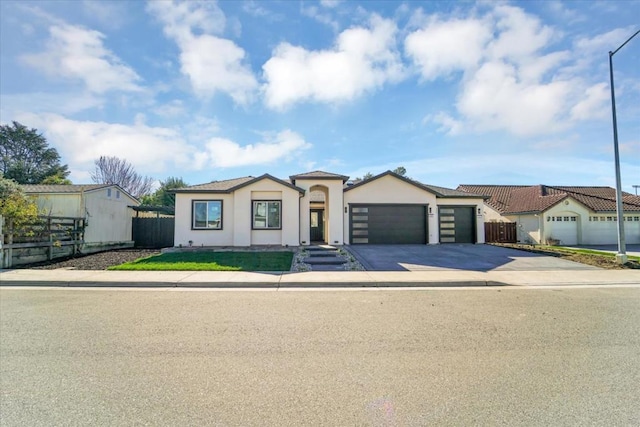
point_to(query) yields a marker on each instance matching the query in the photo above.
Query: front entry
(317, 225)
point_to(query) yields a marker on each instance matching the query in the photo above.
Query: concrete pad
(457, 257)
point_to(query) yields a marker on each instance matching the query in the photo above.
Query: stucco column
(305, 230)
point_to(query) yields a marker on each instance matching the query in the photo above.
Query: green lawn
(212, 261)
(587, 252)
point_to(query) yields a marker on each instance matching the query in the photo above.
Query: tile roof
(319, 175)
(216, 186)
(59, 188)
(511, 199)
(230, 185)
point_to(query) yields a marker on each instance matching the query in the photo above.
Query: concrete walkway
(349, 279)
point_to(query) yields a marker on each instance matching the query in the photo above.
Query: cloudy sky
(457, 92)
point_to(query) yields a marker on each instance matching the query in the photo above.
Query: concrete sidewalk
(351, 279)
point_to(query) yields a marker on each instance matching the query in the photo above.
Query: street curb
(254, 285)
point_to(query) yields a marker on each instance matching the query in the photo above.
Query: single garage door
(457, 224)
(388, 224)
(565, 229)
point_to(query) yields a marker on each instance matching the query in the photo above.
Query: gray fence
(153, 232)
(48, 238)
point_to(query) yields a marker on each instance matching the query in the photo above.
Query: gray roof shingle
(318, 175)
(59, 188)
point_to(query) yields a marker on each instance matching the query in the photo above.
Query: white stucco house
(569, 215)
(323, 207)
(105, 208)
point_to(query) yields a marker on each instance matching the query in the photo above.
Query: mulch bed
(98, 261)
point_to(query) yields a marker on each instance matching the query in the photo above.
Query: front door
(317, 225)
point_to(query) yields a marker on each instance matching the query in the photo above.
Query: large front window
(207, 214)
(266, 214)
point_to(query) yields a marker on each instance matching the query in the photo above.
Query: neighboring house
(570, 215)
(106, 209)
(323, 207)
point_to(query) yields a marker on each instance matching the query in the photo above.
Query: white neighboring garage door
(565, 229)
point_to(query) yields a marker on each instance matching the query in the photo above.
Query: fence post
(7, 256)
(1, 242)
(50, 249)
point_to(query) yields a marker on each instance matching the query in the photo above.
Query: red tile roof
(512, 199)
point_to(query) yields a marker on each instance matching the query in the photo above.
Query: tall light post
(621, 256)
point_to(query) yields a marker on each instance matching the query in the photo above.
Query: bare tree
(113, 170)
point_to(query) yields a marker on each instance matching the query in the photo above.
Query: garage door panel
(457, 224)
(388, 224)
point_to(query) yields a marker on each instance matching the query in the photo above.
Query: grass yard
(211, 261)
(585, 256)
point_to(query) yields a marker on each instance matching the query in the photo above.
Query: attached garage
(564, 228)
(388, 224)
(457, 224)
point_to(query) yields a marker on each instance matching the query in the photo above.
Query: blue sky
(456, 92)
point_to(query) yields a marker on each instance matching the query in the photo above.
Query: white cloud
(594, 104)
(443, 47)
(520, 35)
(283, 146)
(320, 16)
(330, 3)
(149, 149)
(362, 59)
(447, 123)
(213, 64)
(512, 78)
(494, 98)
(77, 53)
(52, 102)
(172, 108)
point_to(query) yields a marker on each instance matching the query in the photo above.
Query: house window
(207, 215)
(266, 214)
(108, 192)
(117, 194)
(574, 219)
(636, 218)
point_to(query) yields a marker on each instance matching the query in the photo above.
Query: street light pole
(621, 256)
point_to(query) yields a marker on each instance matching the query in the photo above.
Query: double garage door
(407, 224)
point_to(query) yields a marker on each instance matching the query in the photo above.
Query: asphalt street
(486, 356)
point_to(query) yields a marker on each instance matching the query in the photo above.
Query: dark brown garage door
(457, 224)
(388, 224)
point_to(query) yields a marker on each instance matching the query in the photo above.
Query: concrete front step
(328, 267)
(324, 261)
(323, 253)
(321, 248)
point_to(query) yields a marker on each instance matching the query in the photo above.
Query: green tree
(400, 170)
(14, 204)
(25, 156)
(367, 175)
(163, 196)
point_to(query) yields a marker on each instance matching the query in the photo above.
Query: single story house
(106, 209)
(323, 207)
(568, 215)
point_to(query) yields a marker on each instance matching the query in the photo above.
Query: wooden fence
(500, 232)
(153, 232)
(48, 238)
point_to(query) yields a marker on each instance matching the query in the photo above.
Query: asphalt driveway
(456, 257)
